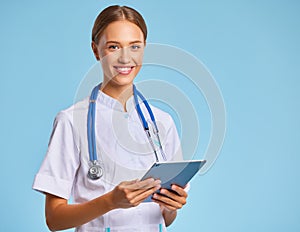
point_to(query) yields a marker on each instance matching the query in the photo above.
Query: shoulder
(76, 111)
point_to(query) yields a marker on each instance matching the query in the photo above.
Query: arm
(169, 215)
(61, 215)
(171, 202)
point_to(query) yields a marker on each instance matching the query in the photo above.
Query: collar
(114, 104)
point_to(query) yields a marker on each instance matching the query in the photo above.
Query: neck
(120, 93)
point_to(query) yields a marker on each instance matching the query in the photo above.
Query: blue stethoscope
(95, 170)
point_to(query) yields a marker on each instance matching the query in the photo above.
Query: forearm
(169, 216)
(60, 215)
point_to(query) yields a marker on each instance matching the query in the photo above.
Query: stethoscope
(95, 170)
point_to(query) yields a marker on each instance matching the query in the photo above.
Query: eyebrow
(116, 42)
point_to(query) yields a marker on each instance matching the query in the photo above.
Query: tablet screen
(174, 172)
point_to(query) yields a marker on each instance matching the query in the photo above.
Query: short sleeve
(58, 170)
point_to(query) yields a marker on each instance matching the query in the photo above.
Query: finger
(134, 184)
(174, 196)
(143, 195)
(161, 203)
(145, 184)
(139, 196)
(179, 190)
(132, 189)
(170, 199)
(128, 183)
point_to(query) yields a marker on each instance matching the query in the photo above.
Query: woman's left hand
(171, 200)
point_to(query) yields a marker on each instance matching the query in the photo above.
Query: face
(120, 50)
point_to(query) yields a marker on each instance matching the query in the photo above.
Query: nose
(124, 56)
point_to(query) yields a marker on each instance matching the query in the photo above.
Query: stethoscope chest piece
(95, 172)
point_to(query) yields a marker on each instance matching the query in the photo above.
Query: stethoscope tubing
(91, 123)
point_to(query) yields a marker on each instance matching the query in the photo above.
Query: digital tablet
(173, 172)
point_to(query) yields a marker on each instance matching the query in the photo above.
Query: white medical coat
(123, 151)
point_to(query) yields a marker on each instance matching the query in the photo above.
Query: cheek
(106, 63)
(108, 58)
(103, 53)
(138, 58)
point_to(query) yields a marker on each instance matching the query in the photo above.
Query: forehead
(122, 31)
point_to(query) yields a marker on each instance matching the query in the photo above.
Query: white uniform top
(123, 151)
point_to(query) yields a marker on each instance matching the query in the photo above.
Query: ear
(95, 50)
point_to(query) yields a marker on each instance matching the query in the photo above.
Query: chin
(122, 80)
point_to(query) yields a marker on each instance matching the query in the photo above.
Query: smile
(124, 70)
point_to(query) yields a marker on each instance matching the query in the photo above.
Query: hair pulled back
(117, 13)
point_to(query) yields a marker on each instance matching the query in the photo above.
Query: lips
(124, 70)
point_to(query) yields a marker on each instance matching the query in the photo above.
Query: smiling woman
(118, 39)
(120, 51)
(107, 194)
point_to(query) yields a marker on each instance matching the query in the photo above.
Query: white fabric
(124, 153)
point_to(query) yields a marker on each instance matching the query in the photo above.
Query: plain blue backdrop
(252, 49)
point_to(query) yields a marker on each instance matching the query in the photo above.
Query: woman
(115, 201)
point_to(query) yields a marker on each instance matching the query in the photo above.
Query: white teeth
(123, 69)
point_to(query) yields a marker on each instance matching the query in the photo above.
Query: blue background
(252, 49)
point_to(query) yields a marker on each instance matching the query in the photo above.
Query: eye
(135, 47)
(113, 47)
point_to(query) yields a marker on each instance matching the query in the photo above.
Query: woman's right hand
(60, 215)
(131, 193)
